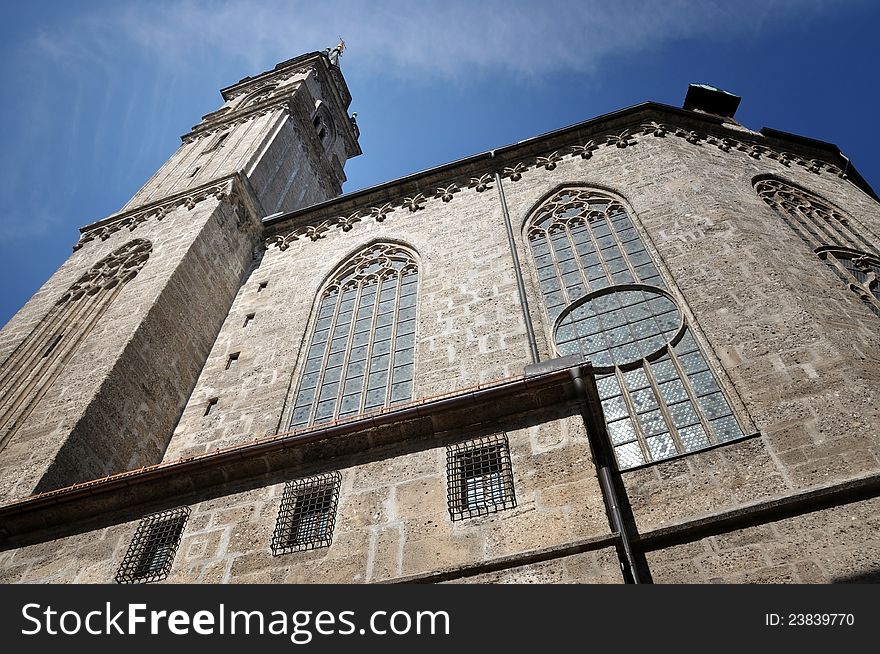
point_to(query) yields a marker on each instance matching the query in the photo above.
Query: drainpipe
(634, 566)
(517, 270)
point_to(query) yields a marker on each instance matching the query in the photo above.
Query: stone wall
(838, 545)
(275, 145)
(115, 402)
(469, 322)
(795, 350)
(599, 567)
(195, 156)
(392, 522)
(800, 350)
(118, 397)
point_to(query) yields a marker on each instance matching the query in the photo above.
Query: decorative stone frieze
(447, 191)
(225, 189)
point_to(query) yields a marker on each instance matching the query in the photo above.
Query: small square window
(479, 477)
(232, 360)
(248, 319)
(151, 552)
(262, 286)
(307, 514)
(212, 403)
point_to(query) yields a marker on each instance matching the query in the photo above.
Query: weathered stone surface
(836, 545)
(599, 567)
(795, 351)
(392, 522)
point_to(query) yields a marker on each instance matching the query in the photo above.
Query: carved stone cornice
(263, 82)
(414, 200)
(229, 188)
(232, 118)
(280, 94)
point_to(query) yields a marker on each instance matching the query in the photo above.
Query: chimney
(711, 100)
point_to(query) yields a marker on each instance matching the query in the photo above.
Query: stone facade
(182, 394)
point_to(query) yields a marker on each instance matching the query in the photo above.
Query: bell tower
(98, 365)
(286, 130)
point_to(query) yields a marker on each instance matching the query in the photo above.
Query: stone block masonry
(392, 521)
(113, 399)
(115, 402)
(193, 370)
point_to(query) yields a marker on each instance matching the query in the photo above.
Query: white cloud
(112, 69)
(409, 38)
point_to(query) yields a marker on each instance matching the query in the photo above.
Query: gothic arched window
(360, 355)
(831, 234)
(325, 128)
(35, 364)
(607, 301)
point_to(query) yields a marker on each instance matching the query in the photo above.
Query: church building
(644, 348)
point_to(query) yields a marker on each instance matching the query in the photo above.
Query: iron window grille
(605, 297)
(479, 477)
(307, 515)
(151, 552)
(835, 238)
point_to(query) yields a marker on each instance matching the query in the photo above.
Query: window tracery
(33, 366)
(606, 300)
(361, 352)
(834, 237)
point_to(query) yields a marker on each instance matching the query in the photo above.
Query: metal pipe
(517, 270)
(635, 571)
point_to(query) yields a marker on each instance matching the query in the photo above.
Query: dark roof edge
(619, 113)
(425, 408)
(848, 168)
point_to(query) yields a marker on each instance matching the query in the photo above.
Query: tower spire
(336, 52)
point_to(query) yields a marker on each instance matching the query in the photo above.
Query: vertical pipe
(520, 286)
(634, 565)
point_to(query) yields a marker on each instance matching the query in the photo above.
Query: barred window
(606, 300)
(833, 235)
(307, 515)
(360, 356)
(479, 477)
(151, 552)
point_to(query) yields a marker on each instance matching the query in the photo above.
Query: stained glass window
(361, 353)
(606, 300)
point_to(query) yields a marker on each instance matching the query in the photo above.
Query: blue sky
(96, 94)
